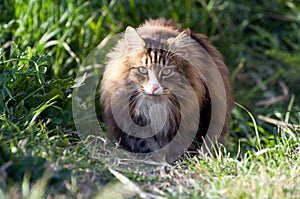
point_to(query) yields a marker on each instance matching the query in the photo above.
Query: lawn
(43, 44)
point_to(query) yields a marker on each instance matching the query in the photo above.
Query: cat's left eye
(166, 71)
(143, 70)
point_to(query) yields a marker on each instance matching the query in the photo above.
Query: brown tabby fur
(121, 78)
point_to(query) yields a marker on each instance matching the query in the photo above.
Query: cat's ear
(181, 43)
(133, 39)
(182, 38)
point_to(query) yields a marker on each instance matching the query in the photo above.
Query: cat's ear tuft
(133, 39)
(183, 37)
(182, 44)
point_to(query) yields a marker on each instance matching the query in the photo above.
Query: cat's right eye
(166, 71)
(143, 70)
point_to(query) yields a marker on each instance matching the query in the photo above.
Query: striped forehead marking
(154, 56)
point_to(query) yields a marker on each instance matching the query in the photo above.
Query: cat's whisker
(182, 94)
(174, 106)
(135, 97)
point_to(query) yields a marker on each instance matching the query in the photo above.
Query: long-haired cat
(164, 89)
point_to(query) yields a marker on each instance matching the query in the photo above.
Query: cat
(159, 87)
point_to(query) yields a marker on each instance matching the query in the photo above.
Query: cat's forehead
(154, 56)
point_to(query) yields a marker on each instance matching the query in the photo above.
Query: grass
(41, 154)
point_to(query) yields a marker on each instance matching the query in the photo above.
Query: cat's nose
(154, 87)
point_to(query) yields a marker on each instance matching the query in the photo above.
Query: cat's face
(153, 75)
(151, 71)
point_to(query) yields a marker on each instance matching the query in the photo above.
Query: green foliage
(29, 98)
(265, 40)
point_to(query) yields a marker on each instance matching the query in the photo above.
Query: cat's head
(151, 64)
(150, 67)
